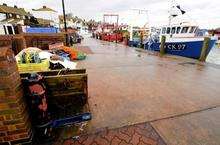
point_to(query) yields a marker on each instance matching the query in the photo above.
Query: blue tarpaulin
(41, 30)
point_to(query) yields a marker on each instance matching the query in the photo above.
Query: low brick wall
(43, 41)
(15, 125)
(22, 41)
(18, 44)
(5, 40)
(15, 42)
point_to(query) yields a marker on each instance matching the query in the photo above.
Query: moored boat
(183, 39)
(137, 35)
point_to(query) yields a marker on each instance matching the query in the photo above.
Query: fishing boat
(183, 39)
(138, 35)
(139, 31)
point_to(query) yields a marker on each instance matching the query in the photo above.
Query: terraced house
(13, 15)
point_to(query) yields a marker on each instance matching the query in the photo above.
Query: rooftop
(11, 20)
(13, 10)
(45, 9)
(44, 21)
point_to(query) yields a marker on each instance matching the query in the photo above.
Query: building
(46, 16)
(216, 32)
(74, 22)
(13, 15)
(45, 22)
(71, 21)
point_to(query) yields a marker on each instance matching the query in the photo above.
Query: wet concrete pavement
(175, 95)
(214, 55)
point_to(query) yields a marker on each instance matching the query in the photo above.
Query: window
(192, 29)
(178, 30)
(173, 30)
(168, 30)
(163, 30)
(16, 29)
(185, 30)
(10, 31)
(5, 29)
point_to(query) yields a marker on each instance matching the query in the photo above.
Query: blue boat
(183, 38)
(135, 42)
(188, 47)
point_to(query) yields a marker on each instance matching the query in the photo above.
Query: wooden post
(205, 47)
(127, 39)
(162, 45)
(142, 38)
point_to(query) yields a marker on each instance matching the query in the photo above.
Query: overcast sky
(206, 13)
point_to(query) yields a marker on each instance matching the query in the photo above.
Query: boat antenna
(170, 15)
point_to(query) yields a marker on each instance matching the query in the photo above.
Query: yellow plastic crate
(33, 67)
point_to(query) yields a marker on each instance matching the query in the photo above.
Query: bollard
(142, 40)
(205, 47)
(162, 45)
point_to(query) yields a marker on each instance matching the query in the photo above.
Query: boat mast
(170, 11)
(140, 11)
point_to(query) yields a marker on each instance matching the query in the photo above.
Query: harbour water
(214, 56)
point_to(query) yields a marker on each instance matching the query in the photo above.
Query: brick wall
(43, 41)
(15, 42)
(5, 40)
(24, 40)
(15, 126)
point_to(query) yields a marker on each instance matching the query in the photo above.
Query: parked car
(75, 38)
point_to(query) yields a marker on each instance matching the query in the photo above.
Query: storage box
(33, 67)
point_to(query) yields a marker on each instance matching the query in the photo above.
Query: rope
(59, 72)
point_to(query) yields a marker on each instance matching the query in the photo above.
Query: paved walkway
(141, 134)
(177, 96)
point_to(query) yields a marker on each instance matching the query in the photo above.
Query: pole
(131, 33)
(142, 37)
(162, 45)
(65, 26)
(117, 29)
(205, 47)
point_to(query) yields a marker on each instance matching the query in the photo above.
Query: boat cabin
(179, 31)
(136, 32)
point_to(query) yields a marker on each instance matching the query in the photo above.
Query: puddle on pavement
(214, 56)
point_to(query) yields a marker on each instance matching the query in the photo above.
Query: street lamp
(65, 27)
